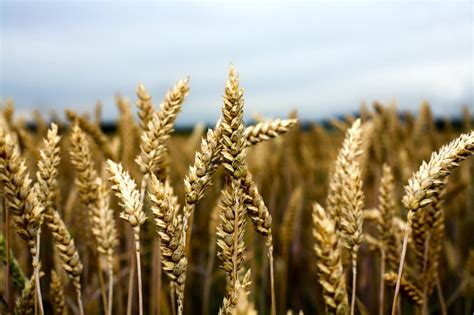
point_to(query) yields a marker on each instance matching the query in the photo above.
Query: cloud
(322, 58)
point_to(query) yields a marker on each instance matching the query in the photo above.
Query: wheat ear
(127, 130)
(20, 198)
(352, 220)
(105, 233)
(57, 295)
(82, 160)
(67, 251)
(16, 273)
(408, 289)
(287, 234)
(164, 206)
(129, 197)
(388, 212)
(154, 139)
(199, 176)
(350, 151)
(47, 186)
(424, 184)
(231, 245)
(95, 132)
(88, 183)
(25, 304)
(145, 107)
(267, 130)
(233, 143)
(331, 273)
(389, 241)
(27, 212)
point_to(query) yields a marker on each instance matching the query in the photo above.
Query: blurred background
(320, 58)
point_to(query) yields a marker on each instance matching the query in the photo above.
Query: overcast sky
(320, 58)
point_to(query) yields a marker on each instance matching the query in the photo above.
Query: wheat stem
(139, 269)
(130, 285)
(7, 249)
(111, 289)
(402, 262)
(103, 293)
(272, 279)
(79, 302)
(442, 302)
(38, 297)
(382, 282)
(354, 282)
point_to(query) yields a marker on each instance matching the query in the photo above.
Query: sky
(321, 58)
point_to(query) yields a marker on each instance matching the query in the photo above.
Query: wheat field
(367, 214)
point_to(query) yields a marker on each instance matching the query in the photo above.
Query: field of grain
(363, 215)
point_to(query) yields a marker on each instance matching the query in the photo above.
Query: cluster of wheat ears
(322, 227)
